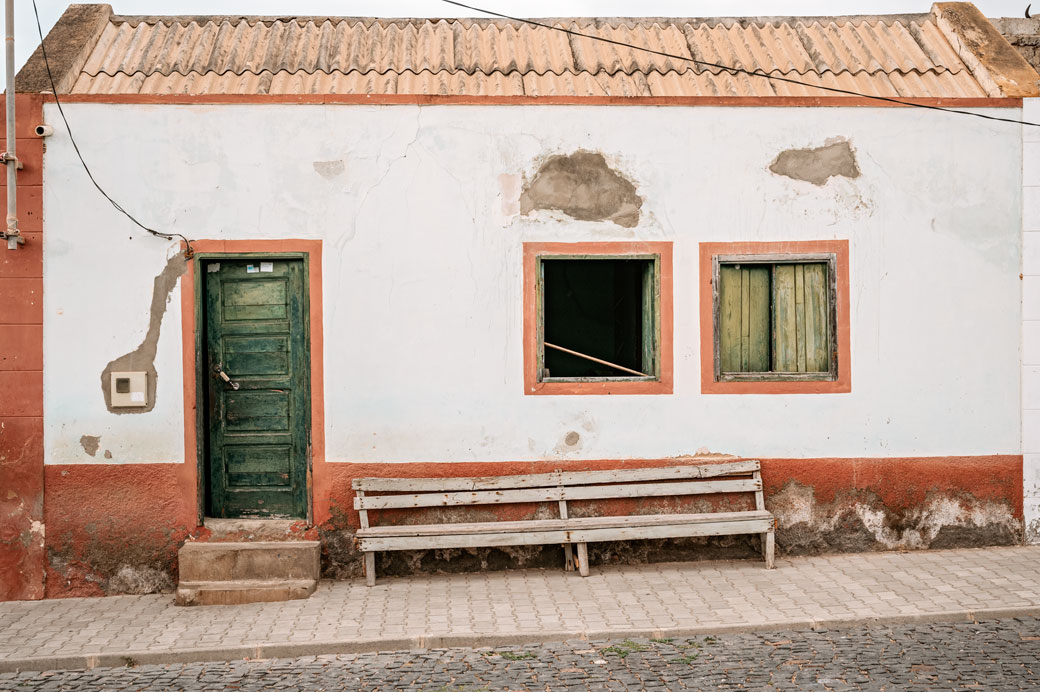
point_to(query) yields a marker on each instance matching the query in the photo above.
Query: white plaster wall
(422, 271)
(1031, 319)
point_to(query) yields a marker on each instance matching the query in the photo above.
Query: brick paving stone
(530, 603)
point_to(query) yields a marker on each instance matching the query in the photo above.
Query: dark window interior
(596, 307)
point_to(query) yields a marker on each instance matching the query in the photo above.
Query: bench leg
(370, 569)
(583, 559)
(768, 546)
(568, 558)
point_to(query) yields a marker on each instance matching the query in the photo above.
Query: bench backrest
(559, 486)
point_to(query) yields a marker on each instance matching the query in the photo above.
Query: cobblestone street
(990, 655)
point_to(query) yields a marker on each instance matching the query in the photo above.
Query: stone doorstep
(262, 560)
(236, 530)
(243, 591)
(226, 573)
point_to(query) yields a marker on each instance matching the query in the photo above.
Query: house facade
(475, 247)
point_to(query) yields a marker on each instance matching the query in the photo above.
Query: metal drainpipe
(10, 157)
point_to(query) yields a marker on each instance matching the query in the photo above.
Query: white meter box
(129, 389)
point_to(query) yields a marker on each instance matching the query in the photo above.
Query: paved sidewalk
(524, 606)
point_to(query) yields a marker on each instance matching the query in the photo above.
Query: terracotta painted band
(23, 556)
(474, 100)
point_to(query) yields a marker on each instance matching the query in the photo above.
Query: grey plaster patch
(139, 580)
(143, 357)
(90, 444)
(572, 438)
(108, 454)
(584, 187)
(819, 164)
(329, 169)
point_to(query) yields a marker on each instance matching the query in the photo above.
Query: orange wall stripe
(461, 100)
(22, 550)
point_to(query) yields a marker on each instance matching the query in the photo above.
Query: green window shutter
(650, 300)
(800, 324)
(817, 327)
(744, 318)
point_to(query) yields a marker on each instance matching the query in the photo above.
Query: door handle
(224, 376)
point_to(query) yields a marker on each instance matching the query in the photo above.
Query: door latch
(224, 376)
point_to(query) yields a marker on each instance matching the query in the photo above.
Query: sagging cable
(740, 70)
(188, 251)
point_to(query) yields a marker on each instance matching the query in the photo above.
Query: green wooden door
(256, 334)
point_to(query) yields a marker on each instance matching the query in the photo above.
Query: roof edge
(996, 65)
(185, 19)
(69, 43)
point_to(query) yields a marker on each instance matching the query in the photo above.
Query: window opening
(775, 318)
(599, 318)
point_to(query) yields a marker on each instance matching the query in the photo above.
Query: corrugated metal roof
(897, 56)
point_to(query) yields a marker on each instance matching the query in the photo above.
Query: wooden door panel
(259, 503)
(256, 333)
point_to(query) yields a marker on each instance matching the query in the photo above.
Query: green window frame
(775, 317)
(650, 362)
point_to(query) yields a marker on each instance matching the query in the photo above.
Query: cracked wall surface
(1031, 320)
(419, 238)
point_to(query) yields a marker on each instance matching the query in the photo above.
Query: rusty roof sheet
(894, 56)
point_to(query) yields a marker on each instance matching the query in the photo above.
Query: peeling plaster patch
(108, 454)
(858, 521)
(90, 443)
(143, 357)
(1033, 532)
(584, 187)
(572, 438)
(509, 192)
(817, 165)
(329, 169)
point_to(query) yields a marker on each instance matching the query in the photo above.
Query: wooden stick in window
(595, 360)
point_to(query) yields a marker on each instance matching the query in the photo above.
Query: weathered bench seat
(561, 488)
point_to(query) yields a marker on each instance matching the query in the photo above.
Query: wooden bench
(560, 487)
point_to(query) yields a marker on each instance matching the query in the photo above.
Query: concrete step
(193, 593)
(238, 530)
(260, 560)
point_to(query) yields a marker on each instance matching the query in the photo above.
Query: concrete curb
(474, 640)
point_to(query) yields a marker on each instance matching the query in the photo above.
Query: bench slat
(601, 492)
(663, 473)
(717, 528)
(554, 524)
(542, 480)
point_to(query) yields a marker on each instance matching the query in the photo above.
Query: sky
(27, 38)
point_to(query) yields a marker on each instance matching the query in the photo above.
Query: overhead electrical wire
(727, 68)
(739, 70)
(188, 251)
